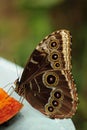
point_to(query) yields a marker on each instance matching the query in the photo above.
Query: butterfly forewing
(47, 82)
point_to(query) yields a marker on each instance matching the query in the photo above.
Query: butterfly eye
(54, 43)
(50, 79)
(50, 108)
(54, 56)
(55, 103)
(57, 94)
(57, 65)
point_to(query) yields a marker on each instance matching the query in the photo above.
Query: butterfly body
(47, 82)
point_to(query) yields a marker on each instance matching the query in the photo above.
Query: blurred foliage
(37, 4)
(24, 23)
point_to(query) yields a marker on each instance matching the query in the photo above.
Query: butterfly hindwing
(43, 93)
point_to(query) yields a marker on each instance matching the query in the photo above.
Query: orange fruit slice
(9, 106)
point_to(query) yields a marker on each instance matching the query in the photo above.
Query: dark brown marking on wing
(32, 68)
(40, 98)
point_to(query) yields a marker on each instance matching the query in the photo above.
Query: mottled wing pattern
(47, 82)
(62, 39)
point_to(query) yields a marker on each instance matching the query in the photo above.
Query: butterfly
(47, 82)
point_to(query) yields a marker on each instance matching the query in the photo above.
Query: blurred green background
(24, 23)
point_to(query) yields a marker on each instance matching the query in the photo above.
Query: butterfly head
(18, 88)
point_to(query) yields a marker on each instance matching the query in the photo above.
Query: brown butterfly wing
(47, 82)
(58, 100)
(62, 39)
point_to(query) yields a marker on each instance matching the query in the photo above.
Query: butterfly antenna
(16, 68)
